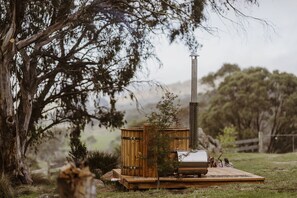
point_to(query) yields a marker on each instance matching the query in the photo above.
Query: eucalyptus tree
(54, 54)
(253, 100)
(213, 78)
(241, 100)
(283, 99)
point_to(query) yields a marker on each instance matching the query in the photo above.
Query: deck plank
(215, 176)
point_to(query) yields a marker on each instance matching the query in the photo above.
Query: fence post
(293, 137)
(260, 136)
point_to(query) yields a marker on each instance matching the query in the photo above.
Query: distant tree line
(251, 100)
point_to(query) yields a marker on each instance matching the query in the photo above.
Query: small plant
(6, 190)
(78, 150)
(102, 162)
(228, 138)
(164, 117)
(166, 112)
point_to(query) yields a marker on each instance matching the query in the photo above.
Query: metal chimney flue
(194, 161)
(194, 104)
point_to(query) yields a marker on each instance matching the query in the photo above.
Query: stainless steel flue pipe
(194, 104)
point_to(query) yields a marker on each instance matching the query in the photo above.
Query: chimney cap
(194, 55)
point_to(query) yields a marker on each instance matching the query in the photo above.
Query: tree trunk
(76, 182)
(11, 157)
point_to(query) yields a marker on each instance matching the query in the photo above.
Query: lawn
(279, 170)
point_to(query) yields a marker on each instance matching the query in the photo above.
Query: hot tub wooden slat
(135, 148)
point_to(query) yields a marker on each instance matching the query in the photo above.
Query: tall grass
(6, 190)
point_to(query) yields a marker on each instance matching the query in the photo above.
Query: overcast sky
(273, 47)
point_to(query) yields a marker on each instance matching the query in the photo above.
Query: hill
(148, 96)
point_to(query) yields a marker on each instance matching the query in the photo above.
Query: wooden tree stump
(75, 182)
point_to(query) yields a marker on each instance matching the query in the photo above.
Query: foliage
(282, 96)
(223, 72)
(78, 150)
(60, 57)
(6, 190)
(102, 162)
(240, 100)
(254, 100)
(164, 117)
(86, 48)
(228, 138)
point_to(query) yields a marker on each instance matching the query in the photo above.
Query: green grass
(279, 170)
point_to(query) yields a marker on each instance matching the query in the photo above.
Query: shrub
(102, 161)
(40, 178)
(78, 150)
(165, 116)
(6, 191)
(228, 138)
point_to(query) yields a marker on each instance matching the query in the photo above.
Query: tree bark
(76, 182)
(11, 157)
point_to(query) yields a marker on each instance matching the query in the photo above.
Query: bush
(102, 162)
(228, 139)
(40, 179)
(6, 191)
(78, 150)
(165, 116)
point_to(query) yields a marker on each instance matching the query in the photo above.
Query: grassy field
(279, 170)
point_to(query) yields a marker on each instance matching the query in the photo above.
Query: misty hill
(148, 96)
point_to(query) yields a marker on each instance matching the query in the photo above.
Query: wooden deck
(215, 176)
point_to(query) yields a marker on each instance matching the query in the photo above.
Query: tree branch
(50, 30)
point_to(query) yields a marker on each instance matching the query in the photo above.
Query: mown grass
(279, 170)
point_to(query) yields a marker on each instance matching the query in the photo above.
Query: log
(76, 182)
